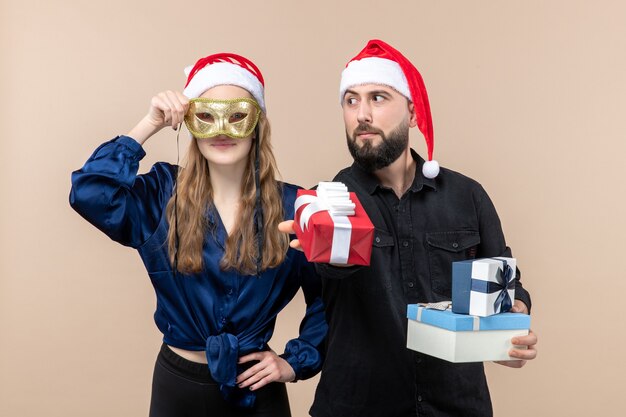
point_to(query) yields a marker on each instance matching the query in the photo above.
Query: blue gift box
(483, 287)
(463, 338)
(462, 322)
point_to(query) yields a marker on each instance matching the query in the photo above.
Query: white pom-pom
(430, 169)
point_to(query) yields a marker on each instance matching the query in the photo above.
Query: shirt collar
(370, 182)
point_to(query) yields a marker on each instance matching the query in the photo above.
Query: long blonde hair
(195, 197)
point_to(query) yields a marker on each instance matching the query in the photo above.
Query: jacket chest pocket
(445, 248)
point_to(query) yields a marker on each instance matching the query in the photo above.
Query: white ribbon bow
(334, 198)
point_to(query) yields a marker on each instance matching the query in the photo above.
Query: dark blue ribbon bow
(505, 283)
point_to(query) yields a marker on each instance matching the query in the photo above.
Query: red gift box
(333, 238)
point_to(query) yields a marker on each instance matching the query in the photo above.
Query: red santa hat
(380, 63)
(225, 69)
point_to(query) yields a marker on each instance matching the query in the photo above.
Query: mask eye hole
(237, 117)
(205, 117)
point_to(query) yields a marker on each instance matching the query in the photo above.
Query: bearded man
(426, 217)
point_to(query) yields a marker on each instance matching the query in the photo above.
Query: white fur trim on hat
(374, 71)
(224, 73)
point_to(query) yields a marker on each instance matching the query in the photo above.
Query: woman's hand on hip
(271, 368)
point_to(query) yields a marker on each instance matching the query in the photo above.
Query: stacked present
(332, 226)
(476, 326)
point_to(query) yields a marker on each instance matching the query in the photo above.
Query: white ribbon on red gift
(334, 198)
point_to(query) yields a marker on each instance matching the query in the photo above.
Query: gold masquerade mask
(236, 118)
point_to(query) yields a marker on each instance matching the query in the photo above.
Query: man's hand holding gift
(529, 341)
(331, 226)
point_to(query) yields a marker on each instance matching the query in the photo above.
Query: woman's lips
(223, 144)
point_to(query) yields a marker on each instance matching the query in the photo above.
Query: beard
(372, 158)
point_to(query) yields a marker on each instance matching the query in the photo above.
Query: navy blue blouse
(221, 312)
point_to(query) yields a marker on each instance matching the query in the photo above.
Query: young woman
(207, 234)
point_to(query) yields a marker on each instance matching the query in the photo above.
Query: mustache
(366, 127)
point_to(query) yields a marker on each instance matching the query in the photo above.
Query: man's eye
(350, 100)
(205, 117)
(378, 98)
(237, 117)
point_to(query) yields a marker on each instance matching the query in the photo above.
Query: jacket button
(377, 239)
(405, 243)
(455, 245)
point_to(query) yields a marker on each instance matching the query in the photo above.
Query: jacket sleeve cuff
(523, 295)
(295, 365)
(134, 146)
(336, 272)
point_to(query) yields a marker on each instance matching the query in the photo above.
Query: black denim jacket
(368, 370)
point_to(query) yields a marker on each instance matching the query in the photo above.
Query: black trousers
(182, 388)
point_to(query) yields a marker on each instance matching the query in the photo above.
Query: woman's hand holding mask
(167, 108)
